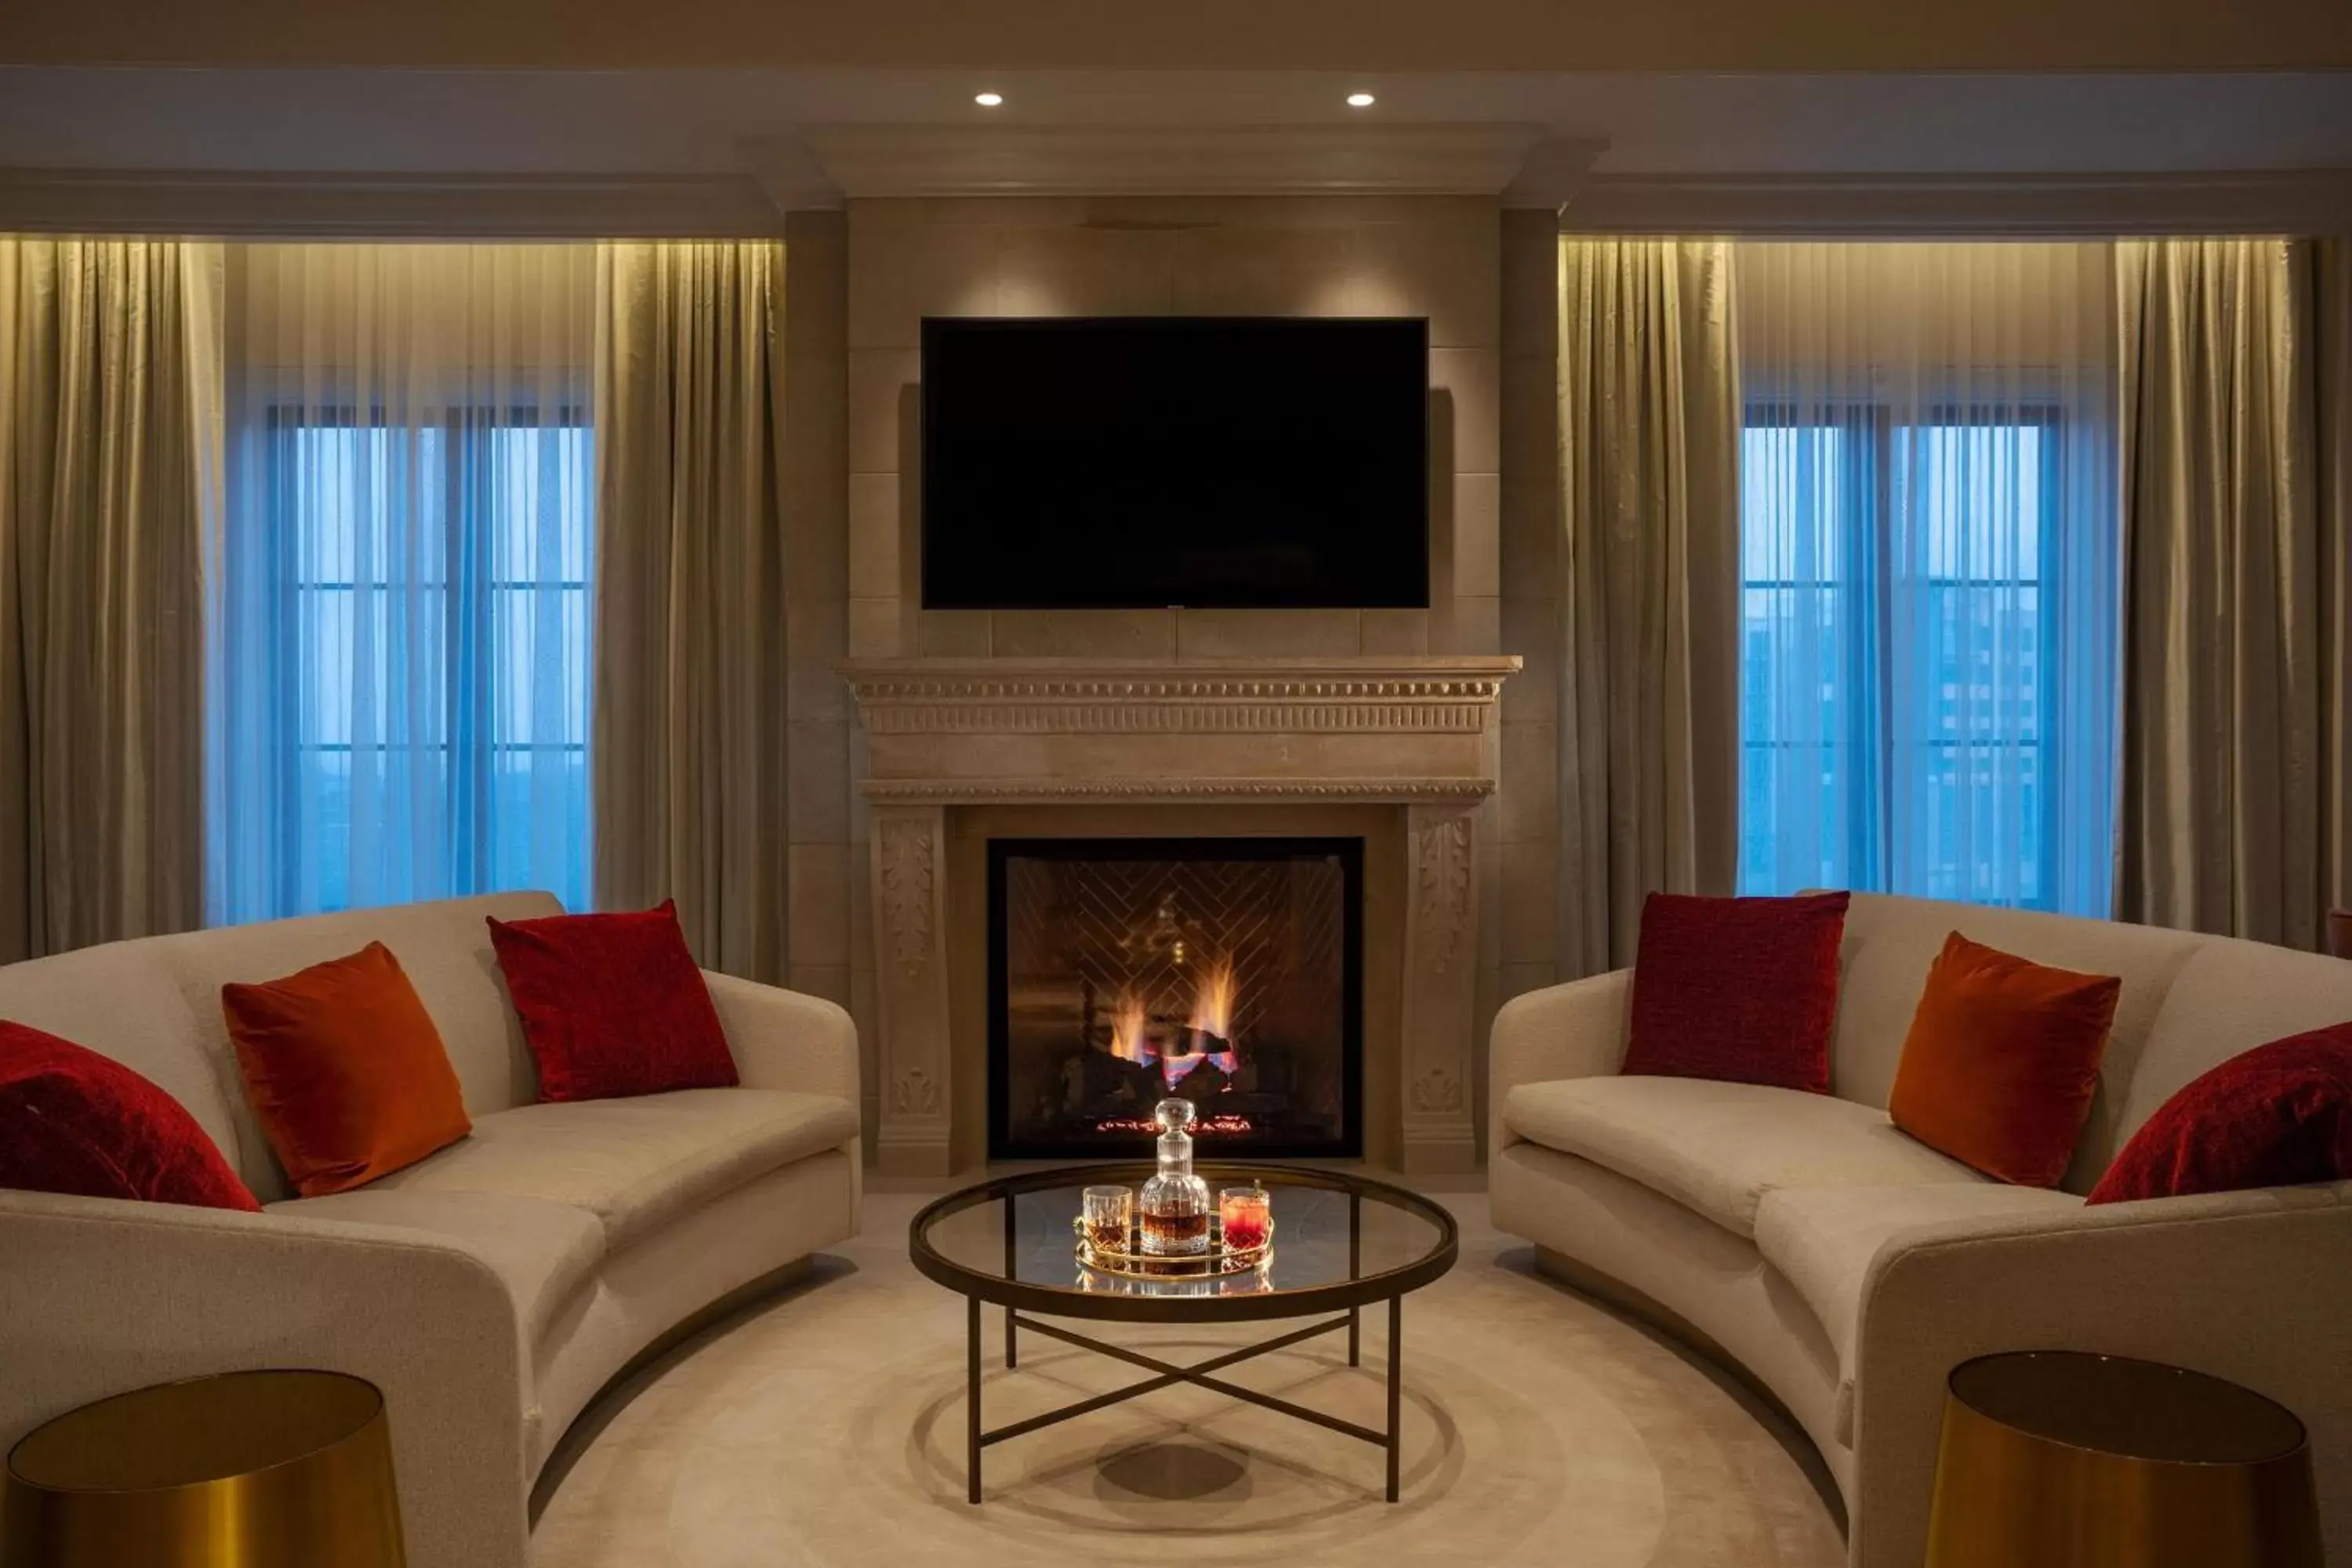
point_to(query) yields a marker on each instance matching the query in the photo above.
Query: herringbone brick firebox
(1223, 971)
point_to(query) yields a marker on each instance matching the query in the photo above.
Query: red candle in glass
(1247, 1214)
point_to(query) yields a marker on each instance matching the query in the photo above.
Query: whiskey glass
(1109, 1218)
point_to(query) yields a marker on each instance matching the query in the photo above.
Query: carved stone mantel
(1413, 733)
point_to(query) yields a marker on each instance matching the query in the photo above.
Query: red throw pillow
(2001, 1061)
(77, 1122)
(612, 1004)
(1743, 990)
(345, 1070)
(2278, 1116)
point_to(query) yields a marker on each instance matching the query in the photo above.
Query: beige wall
(1368, 35)
(1531, 573)
(824, 879)
(1434, 256)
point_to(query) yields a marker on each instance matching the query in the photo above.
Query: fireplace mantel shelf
(1372, 729)
(1467, 789)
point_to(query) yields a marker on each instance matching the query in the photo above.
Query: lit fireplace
(1223, 970)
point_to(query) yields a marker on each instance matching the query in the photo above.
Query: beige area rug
(825, 1428)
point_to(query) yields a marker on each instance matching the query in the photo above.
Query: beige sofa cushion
(443, 947)
(2231, 997)
(1891, 941)
(121, 1002)
(636, 1163)
(542, 1251)
(1823, 1239)
(1719, 1148)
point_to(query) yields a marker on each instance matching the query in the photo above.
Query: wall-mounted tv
(1127, 462)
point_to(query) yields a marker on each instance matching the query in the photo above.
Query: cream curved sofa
(491, 1290)
(1848, 1268)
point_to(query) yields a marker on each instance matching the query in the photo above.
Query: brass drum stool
(247, 1469)
(2060, 1459)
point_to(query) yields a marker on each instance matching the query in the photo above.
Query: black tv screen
(1145, 461)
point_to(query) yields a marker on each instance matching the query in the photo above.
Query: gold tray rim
(1220, 1262)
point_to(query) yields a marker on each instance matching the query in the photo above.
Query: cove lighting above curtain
(401, 592)
(1929, 567)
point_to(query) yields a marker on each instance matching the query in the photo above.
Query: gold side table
(245, 1469)
(2060, 1459)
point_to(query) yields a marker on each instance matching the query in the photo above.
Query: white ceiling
(697, 122)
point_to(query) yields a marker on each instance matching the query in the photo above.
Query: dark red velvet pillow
(74, 1121)
(2278, 1116)
(612, 1004)
(1743, 990)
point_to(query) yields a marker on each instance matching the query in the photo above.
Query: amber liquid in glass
(1175, 1234)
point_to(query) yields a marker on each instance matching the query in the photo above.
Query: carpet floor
(824, 1428)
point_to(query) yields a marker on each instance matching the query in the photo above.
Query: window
(1929, 569)
(1895, 672)
(399, 598)
(433, 678)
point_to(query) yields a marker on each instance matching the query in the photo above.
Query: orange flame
(1213, 1005)
(1129, 1019)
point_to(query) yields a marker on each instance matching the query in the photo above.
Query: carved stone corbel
(910, 848)
(1441, 964)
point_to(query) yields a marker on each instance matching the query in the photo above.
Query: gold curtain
(1649, 434)
(690, 730)
(2232, 815)
(102, 644)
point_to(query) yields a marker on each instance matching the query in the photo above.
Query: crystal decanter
(1176, 1205)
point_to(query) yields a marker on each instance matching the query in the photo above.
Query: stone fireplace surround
(1401, 750)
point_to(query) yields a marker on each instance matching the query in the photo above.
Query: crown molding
(790, 173)
(962, 160)
(387, 206)
(2315, 201)
(1553, 172)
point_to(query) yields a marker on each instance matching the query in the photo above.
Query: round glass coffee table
(1341, 1243)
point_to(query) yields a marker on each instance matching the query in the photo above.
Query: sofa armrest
(783, 1039)
(2242, 1285)
(99, 1296)
(1576, 1030)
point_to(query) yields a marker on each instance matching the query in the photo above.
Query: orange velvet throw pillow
(345, 1070)
(2001, 1061)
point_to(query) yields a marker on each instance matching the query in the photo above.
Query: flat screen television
(1127, 462)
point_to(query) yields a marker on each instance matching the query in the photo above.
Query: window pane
(1793, 489)
(1894, 652)
(1976, 495)
(1790, 500)
(437, 682)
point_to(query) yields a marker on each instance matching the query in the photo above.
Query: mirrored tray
(1133, 1262)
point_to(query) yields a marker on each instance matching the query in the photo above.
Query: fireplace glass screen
(1220, 971)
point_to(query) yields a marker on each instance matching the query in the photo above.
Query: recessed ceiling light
(1361, 100)
(988, 100)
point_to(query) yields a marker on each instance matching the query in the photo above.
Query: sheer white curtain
(400, 599)
(1929, 565)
